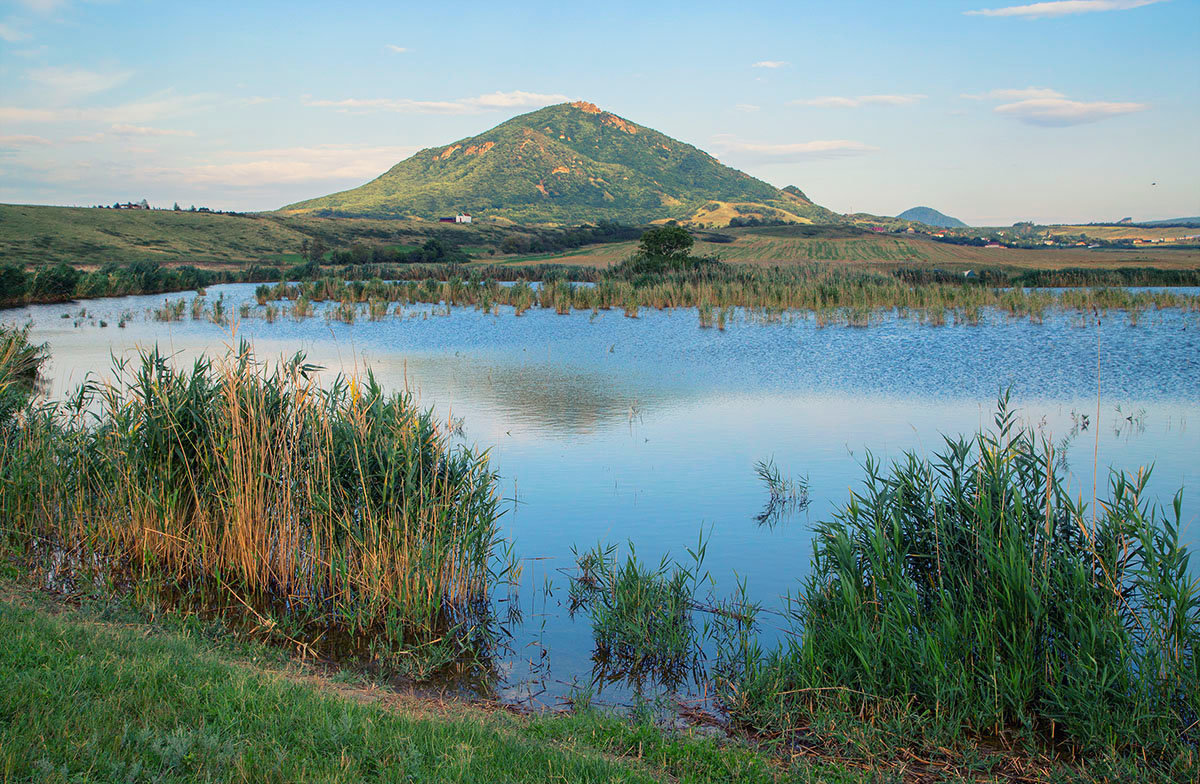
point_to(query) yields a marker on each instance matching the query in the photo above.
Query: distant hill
(1188, 222)
(931, 217)
(569, 163)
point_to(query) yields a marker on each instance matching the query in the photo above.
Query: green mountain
(931, 217)
(569, 163)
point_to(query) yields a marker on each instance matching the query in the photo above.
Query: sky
(1079, 110)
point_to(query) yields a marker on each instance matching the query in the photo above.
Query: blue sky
(990, 111)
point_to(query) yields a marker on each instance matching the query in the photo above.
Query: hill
(931, 217)
(569, 163)
(37, 234)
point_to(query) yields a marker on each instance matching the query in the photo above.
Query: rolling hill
(931, 217)
(569, 163)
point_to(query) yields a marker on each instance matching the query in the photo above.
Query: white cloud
(123, 129)
(1022, 94)
(17, 114)
(747, 107)
(43, 6)
(396, 49)
(327, 162)
(23, 140)
(1049, 108)
(480, 103)
(153, 107)
(831, 148)
(11, 34)
(836, 101)
(1062, 8)
(1060, 112)
(67, 84)
(769, 64)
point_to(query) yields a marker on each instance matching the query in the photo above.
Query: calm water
(609, 429)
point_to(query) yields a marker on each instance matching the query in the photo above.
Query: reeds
(641, 614)
(833, 295)
(320, 514)
(971, 593)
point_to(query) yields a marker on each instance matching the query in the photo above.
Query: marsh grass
(786, 494)
(333, 517)
(20, 367)
(847, 296)
(641, 613)
(971, 596)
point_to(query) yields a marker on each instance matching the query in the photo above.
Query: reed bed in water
(971, 595)
(833, 295)
(336, 511)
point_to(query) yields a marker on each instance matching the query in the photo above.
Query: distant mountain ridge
(931, 217)
(569, 163)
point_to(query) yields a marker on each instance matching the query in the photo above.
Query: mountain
(569, 163)
(931, 217)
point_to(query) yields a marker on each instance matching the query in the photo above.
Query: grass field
(766, 246)
(1113, 233)
(99, 693)
(90, 237)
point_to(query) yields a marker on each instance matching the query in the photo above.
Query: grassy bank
(100, 694)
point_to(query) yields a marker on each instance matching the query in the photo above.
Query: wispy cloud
(1049, 108)
(23, 140)
(1062, 8)
(480, 103)
(770, 64)
(43, 6)
(321, 163)
(843, 102)
(123, 129)
(1024, 93)
(396, 49)
(143, 110)
(11, 34)
(747, 107)
(1061, 112)
(795, 151)
(18, 114)
(68, 84)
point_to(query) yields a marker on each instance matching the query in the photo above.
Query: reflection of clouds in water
(545, 399)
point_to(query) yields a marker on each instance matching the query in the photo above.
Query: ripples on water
(607, 429)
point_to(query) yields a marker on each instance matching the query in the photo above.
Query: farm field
(771, 245)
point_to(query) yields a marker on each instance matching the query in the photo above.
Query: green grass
(93, 696)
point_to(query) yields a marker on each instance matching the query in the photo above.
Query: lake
(607, 429)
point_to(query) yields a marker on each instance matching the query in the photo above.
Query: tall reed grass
(972, 593)
(324, 514)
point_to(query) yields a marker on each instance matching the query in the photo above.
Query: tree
(316, 250)
(669, 241)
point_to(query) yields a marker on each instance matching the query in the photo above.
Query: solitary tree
(667, 241)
